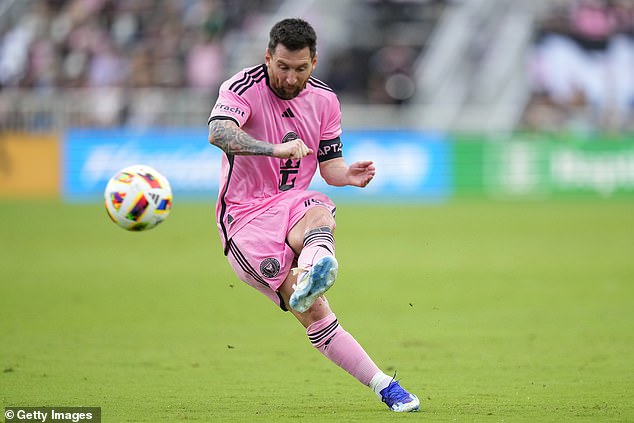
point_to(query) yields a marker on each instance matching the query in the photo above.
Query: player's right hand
(294, 149)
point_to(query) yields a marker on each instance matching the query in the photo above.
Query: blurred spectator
(111, 45)
(89, 39)
(205, 63)
(582, 68)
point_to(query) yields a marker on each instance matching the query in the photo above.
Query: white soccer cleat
(312, 284)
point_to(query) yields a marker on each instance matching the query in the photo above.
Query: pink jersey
(250, 184)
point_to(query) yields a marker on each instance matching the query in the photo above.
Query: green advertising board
(542, 166)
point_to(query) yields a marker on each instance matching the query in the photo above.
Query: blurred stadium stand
(459, 65)
(581, 68)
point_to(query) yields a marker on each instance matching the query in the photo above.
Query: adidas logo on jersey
(288, 113)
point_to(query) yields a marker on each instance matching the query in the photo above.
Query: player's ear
(267, 57)
(314, 60)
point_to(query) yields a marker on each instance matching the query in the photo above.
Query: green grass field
(489, 312)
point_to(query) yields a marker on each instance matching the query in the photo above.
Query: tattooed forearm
(232, 140)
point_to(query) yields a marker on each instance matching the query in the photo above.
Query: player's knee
(320, 217)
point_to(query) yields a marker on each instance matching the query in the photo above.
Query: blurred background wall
(535, 77)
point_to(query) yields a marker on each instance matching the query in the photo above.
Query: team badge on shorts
(270, 267)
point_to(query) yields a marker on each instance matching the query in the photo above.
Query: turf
(489, 311)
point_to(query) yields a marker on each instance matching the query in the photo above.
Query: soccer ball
(138, 198)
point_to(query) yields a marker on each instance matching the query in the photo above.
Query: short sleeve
(230, 105)
(332, 122)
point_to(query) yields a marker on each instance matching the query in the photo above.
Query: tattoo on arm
(232, 140)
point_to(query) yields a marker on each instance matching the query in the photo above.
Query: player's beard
(288, 93)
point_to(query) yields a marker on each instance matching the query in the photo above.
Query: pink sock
(318, 243)
(341, 348)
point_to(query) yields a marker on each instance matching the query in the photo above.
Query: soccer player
(276, 124)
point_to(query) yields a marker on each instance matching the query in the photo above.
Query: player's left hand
(361, 173)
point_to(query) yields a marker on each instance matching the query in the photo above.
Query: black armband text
(330, 149)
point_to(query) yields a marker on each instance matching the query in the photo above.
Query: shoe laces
(394, 392)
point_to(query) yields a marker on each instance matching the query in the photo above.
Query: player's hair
(294, 34)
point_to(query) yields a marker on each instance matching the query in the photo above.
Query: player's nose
(291, 78)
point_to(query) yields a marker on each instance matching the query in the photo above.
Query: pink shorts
(259, 253)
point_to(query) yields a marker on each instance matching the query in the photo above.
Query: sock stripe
(319, 233)
(310, 239)
(317, 337)
(324, 336)
(323, 229)
(324, 329)
(314, 239)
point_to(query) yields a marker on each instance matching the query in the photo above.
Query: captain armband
(330, 149)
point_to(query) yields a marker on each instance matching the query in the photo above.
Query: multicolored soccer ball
(138, 198)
